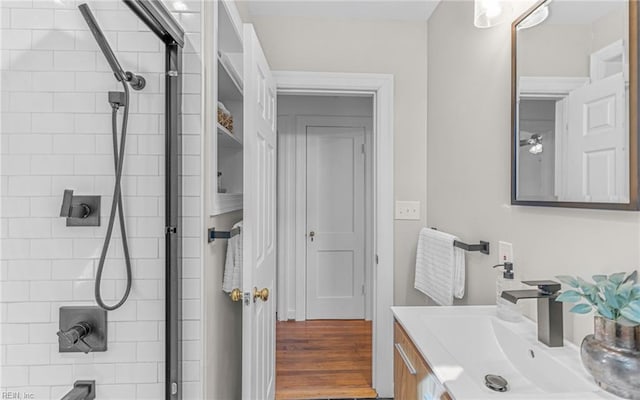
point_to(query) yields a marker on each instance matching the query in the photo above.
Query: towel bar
(483, 247)
(212, 234)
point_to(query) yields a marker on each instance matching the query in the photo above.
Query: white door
(597, 142)
(259, 215)
(335, 222)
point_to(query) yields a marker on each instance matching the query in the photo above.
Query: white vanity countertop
(464, 379)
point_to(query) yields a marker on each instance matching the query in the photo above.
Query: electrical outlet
(505, 252)
(408, 210)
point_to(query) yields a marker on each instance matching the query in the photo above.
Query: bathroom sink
(464, 344)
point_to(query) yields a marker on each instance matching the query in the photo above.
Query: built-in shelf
(229, 87)
(233, 64)
(227, 202)
(227, 139)
(226, 87)
(229, 28)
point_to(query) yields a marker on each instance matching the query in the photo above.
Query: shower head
(137, 82)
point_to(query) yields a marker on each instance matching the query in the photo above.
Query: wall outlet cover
(505, 252)
(409, 210)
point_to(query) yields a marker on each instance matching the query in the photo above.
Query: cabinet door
(404, 375)
(411, 370)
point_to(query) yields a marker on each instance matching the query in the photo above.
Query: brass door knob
(260, 294)
(236, 295)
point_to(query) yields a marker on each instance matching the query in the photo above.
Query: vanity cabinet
(410, 370)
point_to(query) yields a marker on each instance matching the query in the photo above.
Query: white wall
(469, 171)
(56, 134)
(392, 47)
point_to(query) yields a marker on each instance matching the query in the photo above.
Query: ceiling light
(535, 18)
(536, 149)
(535, 141)
(488, 13)
(180, 5)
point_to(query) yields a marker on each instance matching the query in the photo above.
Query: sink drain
(496, 382)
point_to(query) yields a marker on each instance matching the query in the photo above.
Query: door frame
(381, 87)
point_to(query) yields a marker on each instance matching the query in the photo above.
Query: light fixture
(489, 13)
(536, 148)
(535, 18)
(180, 5)
(535, 141)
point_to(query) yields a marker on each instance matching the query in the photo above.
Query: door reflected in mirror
(574, 62)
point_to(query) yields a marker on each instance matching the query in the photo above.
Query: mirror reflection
(572, 103)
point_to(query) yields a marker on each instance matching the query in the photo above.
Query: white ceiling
(413, 10)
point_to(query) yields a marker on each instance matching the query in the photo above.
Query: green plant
(614, 297)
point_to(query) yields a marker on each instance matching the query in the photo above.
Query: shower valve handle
(70, 210)
(74, 337)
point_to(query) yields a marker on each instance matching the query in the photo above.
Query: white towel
(233, 263)
(440, 267)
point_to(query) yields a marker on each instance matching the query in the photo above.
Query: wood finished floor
(323, 359)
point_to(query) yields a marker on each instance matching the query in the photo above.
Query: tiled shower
(56, 135)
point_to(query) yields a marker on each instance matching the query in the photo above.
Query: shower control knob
(70, 210)
(74, 337)
(80, 210)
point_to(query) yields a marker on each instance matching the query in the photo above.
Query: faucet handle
(74, 337)
(71, 210)
(546, 287)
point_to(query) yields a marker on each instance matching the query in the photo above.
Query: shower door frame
(160, 21)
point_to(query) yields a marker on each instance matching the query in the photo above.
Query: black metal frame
(160, 21)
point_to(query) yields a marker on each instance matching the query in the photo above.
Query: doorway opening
(325, 245)
(379, 87)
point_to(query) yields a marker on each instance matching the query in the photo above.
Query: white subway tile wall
(55, 129)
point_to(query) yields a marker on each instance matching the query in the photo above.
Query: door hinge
(363, 290)
(377, 261)
(363, 150)
(170, 229)
(174, 388)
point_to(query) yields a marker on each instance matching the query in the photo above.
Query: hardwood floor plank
(327, 359)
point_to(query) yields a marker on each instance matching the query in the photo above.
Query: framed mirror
(574, 105)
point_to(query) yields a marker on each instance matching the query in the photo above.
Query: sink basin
(464, 344)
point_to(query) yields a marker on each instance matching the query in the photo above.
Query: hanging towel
(440, 267)
(233, 262)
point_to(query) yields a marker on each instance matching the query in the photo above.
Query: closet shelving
(226, 144)
(227, 139)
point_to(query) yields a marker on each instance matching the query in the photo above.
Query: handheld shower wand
(137, 82)
(117, 100)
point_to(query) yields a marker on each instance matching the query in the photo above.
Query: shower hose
(116, 203)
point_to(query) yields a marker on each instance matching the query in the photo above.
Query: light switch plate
(505, 252)
(408, 210)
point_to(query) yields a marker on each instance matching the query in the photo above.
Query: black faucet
(550, 329)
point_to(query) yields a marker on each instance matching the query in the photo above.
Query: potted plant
(612, 353)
